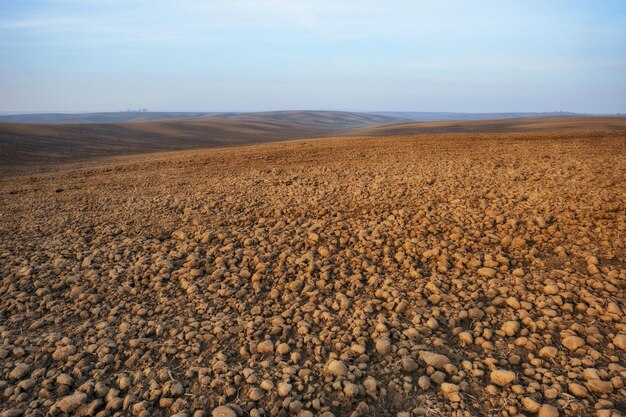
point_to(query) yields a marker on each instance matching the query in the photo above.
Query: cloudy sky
(249, 55)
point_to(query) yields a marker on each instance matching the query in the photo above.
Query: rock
(140, 408)
(450, 392)
(599, 386)
(573, 342)
(223, 411)
(424, 382)
(531, 405)
(518, 242)
(284, 389)
(71, 402)
(350, 389)
(551, 289)
(255, 394)
(336, 368)
(65, 379)
(434, 359)
(487, 272)
(20, 371)
(465, 338)
(282, 349)
(510, 327)
(12, 412)
(63, 352)
(577, 390)
(265, 346)
(179, 235)
(548, 411)
(370, 386)
(358, 349)
(620, 341)
(513, 303)
(408, 364)
(383, 346)
(323, 252)
(296, 285)
(476, 313)
(548, 352)
(502, 377)
(124, 382)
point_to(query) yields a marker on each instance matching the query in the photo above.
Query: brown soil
(436, 275)
(31, 148)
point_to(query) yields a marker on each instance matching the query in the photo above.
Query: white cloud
(34, 23)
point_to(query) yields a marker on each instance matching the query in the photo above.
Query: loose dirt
(441, 275)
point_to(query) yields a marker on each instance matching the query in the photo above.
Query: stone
(408, 364)
(71, 402)
(336, 368)
(20, 371)
(487, 272)
(296, 285)
(510, 327)
(12, 412)
(450, 392)
(266, 346)
(284, 389)
(551, 289)
(548, 352)
(531, 405)
(577, 390)
(282, 349)
(620, 341)
(383, 346)
(434, 359)
(573, 342)
(223, 411)
(65, 379)
(255, 394)
(599, 386)
(350, 389)
(370, 385)
(502, 377)
(424, 382)
(547, 410)
(465, 338)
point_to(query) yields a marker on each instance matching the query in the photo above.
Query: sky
(359, 55)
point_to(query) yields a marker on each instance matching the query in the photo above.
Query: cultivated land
(438, 275)
(30, 148)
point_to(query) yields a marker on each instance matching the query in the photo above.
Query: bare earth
(430, 275)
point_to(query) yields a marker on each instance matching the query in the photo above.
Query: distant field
(569, 124)
(31, 148)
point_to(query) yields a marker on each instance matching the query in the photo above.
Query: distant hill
(515, 125)
(109, 117)
(39, 144)
(321, 118)
(451, 116)
(35, 147)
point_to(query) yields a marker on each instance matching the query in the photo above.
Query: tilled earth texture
(451, 275)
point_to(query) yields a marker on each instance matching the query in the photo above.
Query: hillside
(327, 118)
(458, 116)
(32, 148)
(515, 125)
(40, 146)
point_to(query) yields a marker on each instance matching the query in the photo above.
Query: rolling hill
(28, 148)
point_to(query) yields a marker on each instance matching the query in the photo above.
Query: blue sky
(251, 55)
